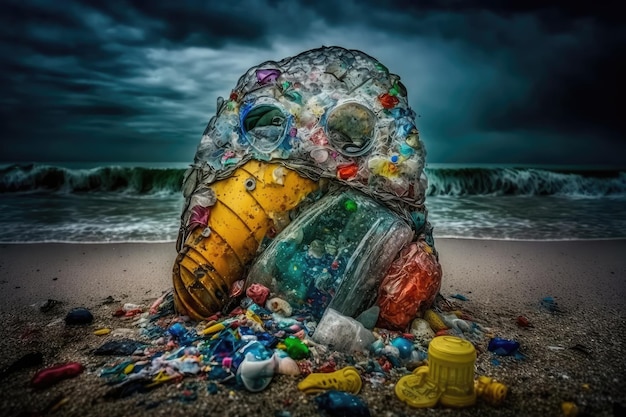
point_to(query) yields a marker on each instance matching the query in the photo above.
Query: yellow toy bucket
(451, 367)
(448, 379)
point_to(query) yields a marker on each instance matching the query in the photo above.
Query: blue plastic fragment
(519, 356)
(226, 345)
(373, 367)
(180, 333)
(219, 374)
(176, 330)
(152, 331)
(115, 370)
(245, 330)
(460, 297)
(405, 347)
(342, 404)
(550, 304)
(259, 351)
(212, 388)
(394, 361)
(78, 316)
(503, 347)
(122, 347)
(267, 340)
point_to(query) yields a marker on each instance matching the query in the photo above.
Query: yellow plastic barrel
(451, 367)
(249, 203)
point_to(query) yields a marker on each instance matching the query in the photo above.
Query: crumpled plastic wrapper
(409, 287)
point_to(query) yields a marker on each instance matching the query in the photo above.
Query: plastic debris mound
(332, 359)
(309, 180)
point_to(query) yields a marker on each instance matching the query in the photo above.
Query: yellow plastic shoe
(417, 390)
(346, 379)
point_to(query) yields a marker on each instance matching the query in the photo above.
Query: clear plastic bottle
(334, 255)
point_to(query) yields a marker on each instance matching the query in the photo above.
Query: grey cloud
(141, 78)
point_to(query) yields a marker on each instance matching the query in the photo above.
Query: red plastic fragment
(345, 172)
(329, 366)
(385, 364)
(50, 376)
(132, 313)
(154, 308)
(388, 101)
(258, 293)
(236, 311)
(199, 217)
(523, 322)
(318, 137)
(214, 317)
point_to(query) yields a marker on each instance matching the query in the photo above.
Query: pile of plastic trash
(262, 337)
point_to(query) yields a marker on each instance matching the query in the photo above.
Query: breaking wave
(494, 181)
(115, 179)
(525, 181)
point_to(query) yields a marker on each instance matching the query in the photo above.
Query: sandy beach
(501, 280)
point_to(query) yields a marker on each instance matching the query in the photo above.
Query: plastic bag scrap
(324, 122)
(409, 287)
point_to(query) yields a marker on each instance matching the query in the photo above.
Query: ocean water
(113, 202)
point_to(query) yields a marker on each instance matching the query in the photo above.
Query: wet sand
(509, 272)
(501, 279)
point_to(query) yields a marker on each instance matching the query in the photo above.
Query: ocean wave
(111, 179)
(524, 181)
(494, 181)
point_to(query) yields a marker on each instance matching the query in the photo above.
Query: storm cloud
(492, 82)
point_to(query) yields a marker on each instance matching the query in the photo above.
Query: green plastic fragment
(295, 348)
(381, 67)
(350, 206)
(294, 96)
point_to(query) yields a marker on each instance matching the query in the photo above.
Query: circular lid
(452, 349)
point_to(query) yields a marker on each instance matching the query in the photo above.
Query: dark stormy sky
(493, 81)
